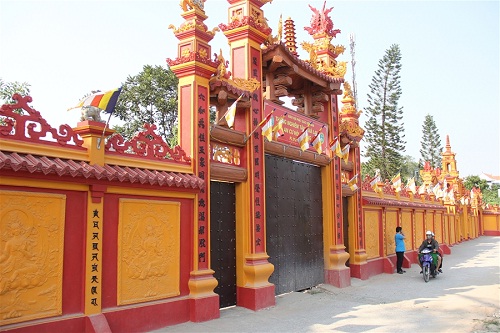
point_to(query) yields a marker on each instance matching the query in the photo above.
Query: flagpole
(229, 109)
(104, 131)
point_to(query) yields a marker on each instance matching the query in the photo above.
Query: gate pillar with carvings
(351, 133)
(246, 31)
(194, 68)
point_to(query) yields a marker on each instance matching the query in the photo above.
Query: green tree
(384, 128)
(490, 193)
(409, 168)
(7, 89)
(431, 147)
(471, 181)
(149, 97)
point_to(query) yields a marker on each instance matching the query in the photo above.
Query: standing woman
(400, 249)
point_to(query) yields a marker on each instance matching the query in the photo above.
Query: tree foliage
(431, 147)
(384, 128)
(490, 193)
(7, 89)
(149, 97)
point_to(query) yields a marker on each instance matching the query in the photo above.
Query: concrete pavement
(465, 298)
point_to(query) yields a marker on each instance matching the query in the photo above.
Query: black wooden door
(294, 222)
(223, 240)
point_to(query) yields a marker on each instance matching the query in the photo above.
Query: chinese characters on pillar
(94, 262)
(203, 154)
(257, 153)
(337, 180)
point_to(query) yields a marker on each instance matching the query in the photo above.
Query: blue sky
(450, 57)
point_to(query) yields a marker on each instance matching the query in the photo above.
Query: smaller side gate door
(223, 240)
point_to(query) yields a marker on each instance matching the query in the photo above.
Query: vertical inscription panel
(148, 250)
(31, 255)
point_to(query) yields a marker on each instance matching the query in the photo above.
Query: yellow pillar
(194, 68)
(252, 265)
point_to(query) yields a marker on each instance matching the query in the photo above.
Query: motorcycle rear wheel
(426, 272)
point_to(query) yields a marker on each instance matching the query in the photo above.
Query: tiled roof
(398, 203)
(302, 63)
(80, 169)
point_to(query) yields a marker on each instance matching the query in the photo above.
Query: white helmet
(428, 233)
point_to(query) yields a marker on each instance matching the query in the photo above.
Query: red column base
(360, 271)
(204, 309)
(445, 249)
(388, 266)
(338, 278)
(492, 233)
(256, 298)
(97, 324)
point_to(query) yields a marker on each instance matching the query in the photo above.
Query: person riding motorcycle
(431, 244)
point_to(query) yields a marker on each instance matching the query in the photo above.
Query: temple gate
(136, 235)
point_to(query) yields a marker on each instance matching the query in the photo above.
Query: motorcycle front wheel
(426, 272)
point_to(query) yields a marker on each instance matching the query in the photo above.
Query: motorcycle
(428, 265)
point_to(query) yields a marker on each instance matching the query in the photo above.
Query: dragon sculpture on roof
(321, 23)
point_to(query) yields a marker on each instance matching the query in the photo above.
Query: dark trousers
(400, 257)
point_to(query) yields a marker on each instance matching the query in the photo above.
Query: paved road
(465, 298)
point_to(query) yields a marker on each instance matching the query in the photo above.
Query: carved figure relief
(31, 256)
(149, 250)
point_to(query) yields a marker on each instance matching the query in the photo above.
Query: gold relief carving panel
(148, 250)
(31, 255)
(372, 223)
(391, 222)
(226, 155)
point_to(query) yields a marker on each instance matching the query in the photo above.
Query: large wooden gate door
(294, 222)
(223, 240)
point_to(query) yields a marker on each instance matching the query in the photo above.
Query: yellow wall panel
(438, 227)
(148, 250)
(372, 223)
(406, 223)
(31, 255)
(391, 222)
(490, 223)
(419, 229)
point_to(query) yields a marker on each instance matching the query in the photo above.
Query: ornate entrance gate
(223, 241)
(294, 224)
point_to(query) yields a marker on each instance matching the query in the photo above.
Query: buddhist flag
(345, 152)
(231, 112)
(278, 128)
(317, 141)
(396, 182)
(353, 183)
(335, 147)
(267, 128)
(421, 189)
(105, 101)
(411, 185)
(374, 183)
(303, 138)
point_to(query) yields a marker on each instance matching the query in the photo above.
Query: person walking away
(400, 249)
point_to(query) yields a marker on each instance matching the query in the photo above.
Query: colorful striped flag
(353, 183)
(267, 128)
(396, 182)
(278, 129)
(231, 113)
(303, 138)
(411, 185)
(335, 147)
(345, 152)
(317, 141)
(104, 101)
